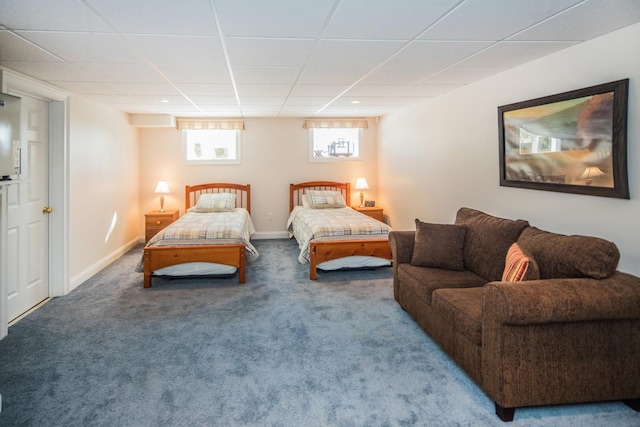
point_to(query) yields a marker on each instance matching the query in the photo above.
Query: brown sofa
(568, 333)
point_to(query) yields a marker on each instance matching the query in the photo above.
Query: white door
(27, 221)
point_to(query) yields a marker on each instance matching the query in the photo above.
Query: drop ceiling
(286, 58)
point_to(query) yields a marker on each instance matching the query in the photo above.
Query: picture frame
(571, 142)
(369, 204)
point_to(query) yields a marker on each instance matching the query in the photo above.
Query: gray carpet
(278, 351)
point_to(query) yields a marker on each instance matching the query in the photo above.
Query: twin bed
(330, 234)
(213, 236)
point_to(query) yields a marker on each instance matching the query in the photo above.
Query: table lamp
(361, 184)
(162, 188)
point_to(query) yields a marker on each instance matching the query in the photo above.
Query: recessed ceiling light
(355, 102)
(164, 100)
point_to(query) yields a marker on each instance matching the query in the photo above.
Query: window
(335, 144)
(211, 146)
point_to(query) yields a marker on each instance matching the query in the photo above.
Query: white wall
(103, 176)
(443, 154)
(274, 155)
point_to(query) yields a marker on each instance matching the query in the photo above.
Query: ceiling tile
(399, 75)
(378, 20)
(584, 21)
(268, 52)
(187, 17)
(493, 19)
(180, 50)
(352, 53)
(127, 73)
(213, 100)
(461, 75)
(83, 47)
(432, 54)
(318, 90)
(248, 101)
(206, 89)
(273, 18)
(510, 54)
(307, 101)
(189, 74)
(50, 71)
(45, 15)
(15, 48)
(100, 88)
(334, 75)
(263, 90)
(265, 75)
(142, 99)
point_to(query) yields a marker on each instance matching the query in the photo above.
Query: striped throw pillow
(516, 265)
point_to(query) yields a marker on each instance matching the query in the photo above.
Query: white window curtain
(208, 124)
(336, 123)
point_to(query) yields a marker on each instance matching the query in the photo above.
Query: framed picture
(572, 142)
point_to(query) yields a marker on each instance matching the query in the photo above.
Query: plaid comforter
(207, 228)
(306, 224)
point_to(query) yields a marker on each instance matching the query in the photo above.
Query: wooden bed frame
(321, 251)
(233, 254)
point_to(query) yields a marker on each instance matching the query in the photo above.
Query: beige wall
(274, 155)
(103, 184)
(443, 154)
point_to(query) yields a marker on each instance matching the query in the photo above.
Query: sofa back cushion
(561, 257)
(487, 241)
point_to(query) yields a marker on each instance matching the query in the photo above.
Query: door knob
(47, 210)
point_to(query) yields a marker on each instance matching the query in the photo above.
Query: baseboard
(263, 235)
(80, 278)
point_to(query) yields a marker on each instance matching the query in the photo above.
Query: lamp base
(161, 204)
(361, 199)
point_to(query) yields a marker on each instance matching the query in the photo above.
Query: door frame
(16, 84)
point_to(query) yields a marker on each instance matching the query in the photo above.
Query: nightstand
(155, 221)
(375, 212)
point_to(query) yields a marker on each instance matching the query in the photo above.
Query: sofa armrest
(564, 300)
(561, 341)
(401, 243)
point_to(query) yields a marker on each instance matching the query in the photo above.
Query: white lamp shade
(361, 184)
(162, 188)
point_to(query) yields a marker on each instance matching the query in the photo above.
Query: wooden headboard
(242, 192)
(297, 190)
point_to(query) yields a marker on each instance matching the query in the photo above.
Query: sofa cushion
(519, 265)
(438, 245)
(422, 281)
(560, 256)
(463, 309)
(487, 240)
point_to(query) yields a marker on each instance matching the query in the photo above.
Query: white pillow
(322, 199)
(305, 201)
(215, 202)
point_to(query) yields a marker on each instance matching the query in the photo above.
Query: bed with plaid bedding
(306, 224)
(198, 228)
